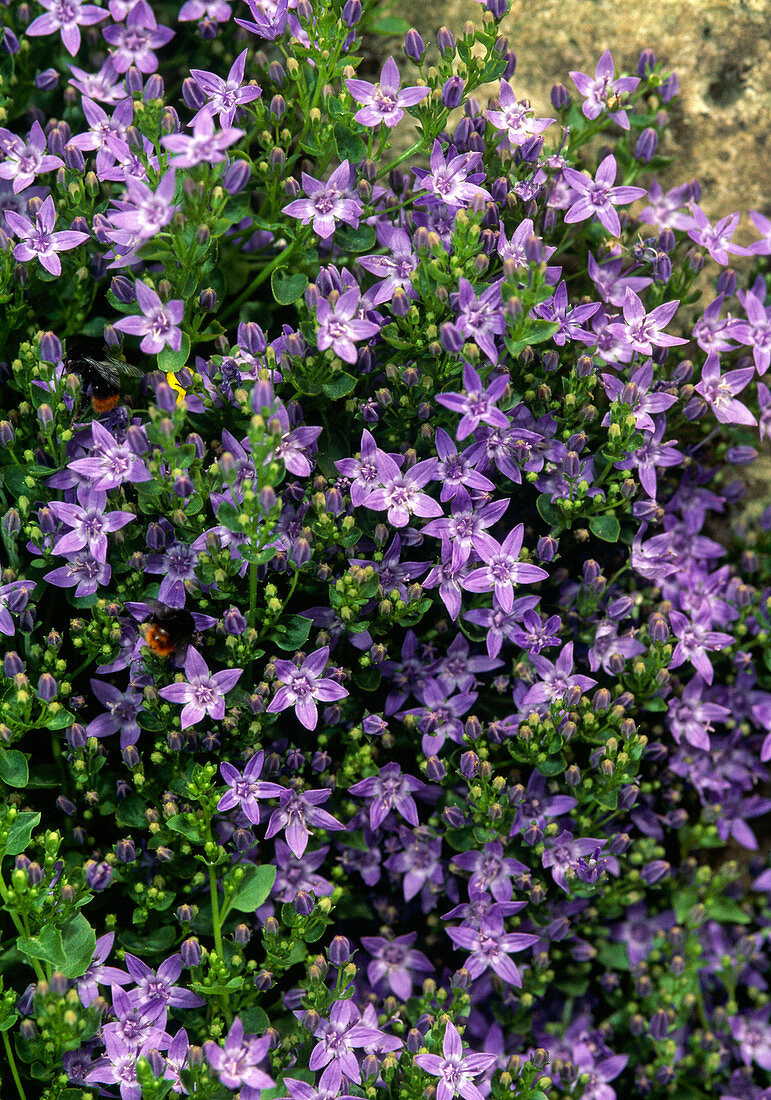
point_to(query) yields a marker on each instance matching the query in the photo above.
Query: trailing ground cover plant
(386, 699)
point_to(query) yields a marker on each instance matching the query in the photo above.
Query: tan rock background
(720, 49)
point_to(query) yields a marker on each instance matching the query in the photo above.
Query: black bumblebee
(99, 370)
(167, 631)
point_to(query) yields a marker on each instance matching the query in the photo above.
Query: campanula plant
(385, 571)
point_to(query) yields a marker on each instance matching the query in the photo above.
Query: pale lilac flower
(135, 41)
(339, 1036)
(715, 238)
(761, 247)
(490, 947)
(476, 403)
(502, 568)
(455, 470)
(363, 471)
(455, 1070)
(564, 852)
(501, 624)
(328, 202)
(122, 707)
(603, 93)
(611, 281)
(490, 870)
(111, 463)
(643, 330)
(691, 717)
(237, 1065)
(598, 197)
(400, 493)
(159, 325)
(755, 332)
(599, 1073)
(89, 522)
(142, 212)
(22, 162)
(694, 638)
(384, 101)
(515, 119)
(554, 679)
(246, 789)
(452, 181)
(303, 686)
(719, 391)
(340, 327)
(667, 210)
(82, 572)
(204, 147)
(466, 525)
(194, 10)
(225, 96)
(269, 17)
(394, 268)
(328, 1087)
(105, 86)
(38, 240)
(98, 974)
(569, 320)
(752, 1032)
(636, 393)
(202, 693)
(297, 810)
(118, 1066)
(481, 318)
(66, 16)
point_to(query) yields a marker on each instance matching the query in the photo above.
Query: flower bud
(237, 176)
(452, 92)
(561, 99)
(445, 40)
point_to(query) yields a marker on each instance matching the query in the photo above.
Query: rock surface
(720, 49)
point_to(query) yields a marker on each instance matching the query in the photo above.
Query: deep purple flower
(202, 693)
(389, 790)
(563, 854)
(490, 947)
(694, 638)
(501, 624)
(98, 974)
(339, 1036)
(89, 524)
(154, 991)
(555, 679)
(303, 686)
(237, 1064)
(123, 708)
(38, 239)
(400, 493)
(384, 101)
(111, 463)
(490, 870)
(14, 596)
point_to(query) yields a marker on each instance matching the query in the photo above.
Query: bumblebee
(100, 372)
(169, 631)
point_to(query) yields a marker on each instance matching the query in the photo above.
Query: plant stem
(217, 926)
(12, 1063)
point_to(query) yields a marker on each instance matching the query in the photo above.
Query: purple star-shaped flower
(715, 238)
(328, 202)
(339, 1036)
(719, 391)
(89, 522)
(603, 93)
(384, 101)
(303, 686)
(598, 197)
(476, 403)
(123, 708)
(66, 16)
(225, 96)
(455, 1069)
(237, 1064)
(246, 789)
(204, 146)
(490, 947)
(641, 330)
(13, 597)
(502, 568)
(135, 41)
(394, 961)
(22, 162)
(154, 991)
(297, 810)
(516, 119)
(400, 492)
(555, 678)
(340, 327)
(202, 693)
(452, 179)
(38, 240)
(159, 325)
(389, 790)
(111, 463)
(99, 974)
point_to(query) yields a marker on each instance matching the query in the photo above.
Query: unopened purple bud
(207, 300)
(66, 805)
(726, 282)
(190, 950)
(662, 270)
(654, 871)
(339, 951)
(237, 176)
(452, 91)
(12, 664)
(76, 736)
(47, 687)
(741, 455)
(646, 62)
(193, 94)
(165, 397)
(352, 12)
(234, 621)
(511, 66)
(48, 79)
(450, 337)
(561, 98)
(414, 46)
(154, 87)
(50, 348)
(573, 775)
(435, 769)
(454, 817)
(304, 903)
(469, 765)
(571, 465)
(533, 834)
(497, 8)
(669, 89)
(445, 40)
(659, 1024)
(135, 81)
(10, 43)
(74, 159)
(647, 143)
(98, 875)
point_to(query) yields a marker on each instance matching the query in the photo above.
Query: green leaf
(131, 812)
(606, 528)
(13, 768)
(547, 510)
(613, 956)
(361, 239)
(255, 1021)
(340, 386)
(656, 705)
(392, 24)
(228, 515)
(536, 333)
(143, 943)
(287, 288)
(254, 888)
(292, 634)
(79, 941)
(180, 823)
(727, 911)
(350, 144)
(20, 833)
(61, 720)
(169, 360)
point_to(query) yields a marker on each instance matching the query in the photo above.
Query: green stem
(253, 583)
(12, 1063)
